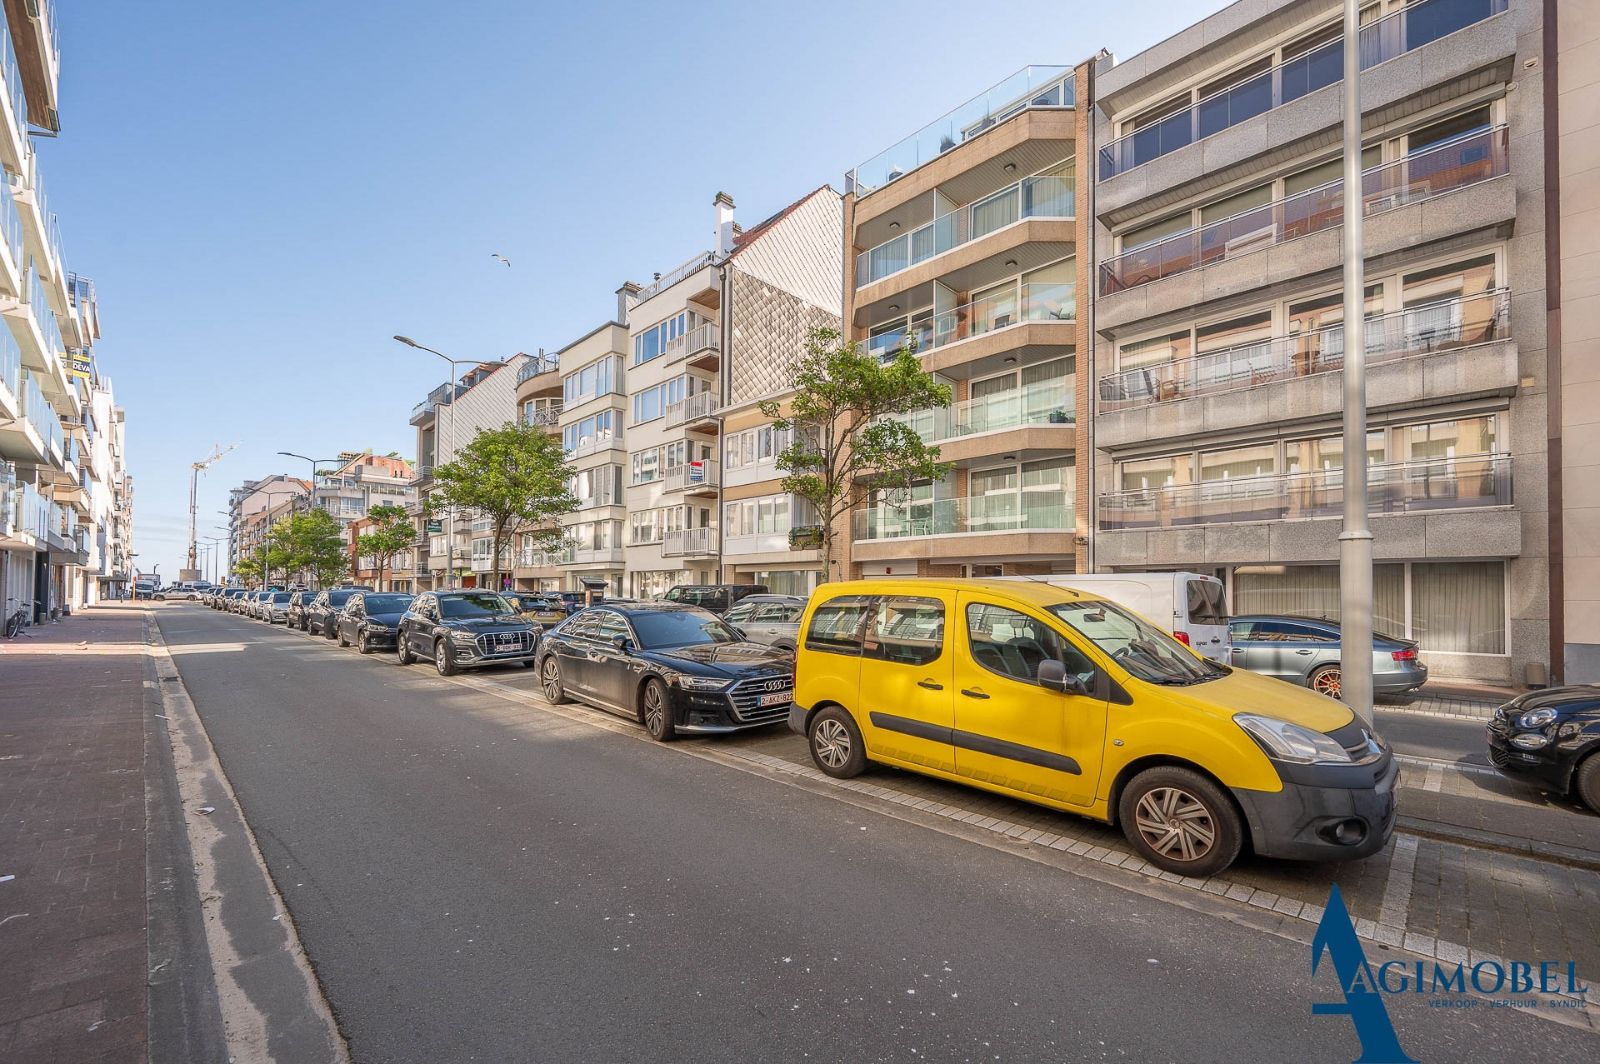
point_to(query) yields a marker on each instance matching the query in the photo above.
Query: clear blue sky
(266, 193)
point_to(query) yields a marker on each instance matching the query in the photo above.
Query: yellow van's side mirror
(1053, 675)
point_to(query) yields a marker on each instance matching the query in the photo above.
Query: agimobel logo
(1363, 996)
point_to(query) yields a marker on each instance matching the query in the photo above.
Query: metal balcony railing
(1398, 33)
(1040, 196)
(1012, 511)
(700, 338)
(543, 415)
(690, 477)
(538, 364)
(696, 407)
(666, 280)
(1395, 488)
(1445, 325)
(1037, 301)
(1455, 164)
(689, 543)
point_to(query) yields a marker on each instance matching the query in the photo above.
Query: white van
(1194, 608)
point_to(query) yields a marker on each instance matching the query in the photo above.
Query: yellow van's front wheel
(1180, 821)
(836, 744)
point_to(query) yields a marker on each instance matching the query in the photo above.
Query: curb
(1554, 853)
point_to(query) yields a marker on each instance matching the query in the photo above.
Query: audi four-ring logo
(776, 685)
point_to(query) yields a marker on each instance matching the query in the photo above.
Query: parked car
(1306, 652)
(671, 667)
(1066, 699)
(370, 618)
(542, 609)
(323, 613)
(258, 605)
(1551, 738)
(275, 607)
(230, 599)
(1191, 607)
(464, 629)
(299, 603)
(177, 593)
(770, 619)
(718, 598)
(242, 604)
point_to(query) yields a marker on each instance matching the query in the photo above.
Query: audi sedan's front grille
(746, 698)
(490, 645)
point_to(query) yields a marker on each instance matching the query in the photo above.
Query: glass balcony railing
(1397, 488)
(10, 364)
(1455, 164)
(538, 364)
(1046, 403)
(1029, 88)
(1013, 511)
(1038, 301)
(1403, 31)
(13, 77)
(1039, 196)
(38, 412)
(1445, 325)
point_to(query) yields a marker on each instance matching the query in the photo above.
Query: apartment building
(962, 242)
(59, 474)
(361, 481)
(454, 548)
(745, 306)
(255, 506)
(540, 401)
(1218, 317)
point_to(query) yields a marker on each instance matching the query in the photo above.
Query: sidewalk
(73, 923)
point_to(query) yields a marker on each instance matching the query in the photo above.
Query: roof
(1034, 593)
(750, 236)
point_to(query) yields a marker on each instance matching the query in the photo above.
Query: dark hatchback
(1551, 738)
(672, 668)
(299, 603)
(323, 613)
(370, 619)
(464, 630)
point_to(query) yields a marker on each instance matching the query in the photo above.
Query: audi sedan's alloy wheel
(550, 681)
(655, 712)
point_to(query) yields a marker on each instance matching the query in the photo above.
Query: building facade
(540, 401)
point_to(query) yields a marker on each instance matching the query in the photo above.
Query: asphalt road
(472, 890)
(1456, 739)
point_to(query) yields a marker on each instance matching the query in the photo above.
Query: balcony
(528, 558)
(701, 346)
(1456, 164)
(39, 52)
(591, 556)
(1039, 196)
(594, 444)
(13, 249)
(693, 479)
(666, 280)
(440, 396)
(698, 413)
(689, 543)
(538, 365)
(1005, 523)
(1038, 417)
(1021, 305)
(1029, 88)
(13, 102)
(1403, 31)
(24, 515)
(544, 416)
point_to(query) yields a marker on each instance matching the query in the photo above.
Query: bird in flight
(502, 258)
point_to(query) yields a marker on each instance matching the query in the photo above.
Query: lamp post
(450, 537)
(211, 542)
(268, 495)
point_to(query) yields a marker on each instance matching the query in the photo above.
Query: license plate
(773, 699)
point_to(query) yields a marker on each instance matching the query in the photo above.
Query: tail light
(1408, 654)
(1181, 636)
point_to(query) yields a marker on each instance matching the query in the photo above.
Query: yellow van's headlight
(1284, 741)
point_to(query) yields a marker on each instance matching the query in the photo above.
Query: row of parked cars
(1049, 694)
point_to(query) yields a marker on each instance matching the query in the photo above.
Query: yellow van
(1066, 699)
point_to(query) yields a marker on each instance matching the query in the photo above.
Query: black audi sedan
(321, 617)
(672, 668)
(464, 629)
(370, 619)
(1551, 738)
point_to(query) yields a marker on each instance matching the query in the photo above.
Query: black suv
(1551, 738)
(464, 630)
(672, 668)
(322, 616)
(718, 598)
(370, 619)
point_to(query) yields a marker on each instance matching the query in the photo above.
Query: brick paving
(73, 940)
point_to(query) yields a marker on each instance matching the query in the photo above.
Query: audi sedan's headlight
(702, 683)
(1284, 741)
(1538, 718)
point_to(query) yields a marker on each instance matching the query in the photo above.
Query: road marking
(1397, 889)
(1434, 779)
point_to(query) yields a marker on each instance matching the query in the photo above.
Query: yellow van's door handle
(930, 685)
(973, 694)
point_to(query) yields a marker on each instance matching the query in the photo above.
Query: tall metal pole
(1355, 540)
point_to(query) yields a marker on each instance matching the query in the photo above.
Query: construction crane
(195, 469)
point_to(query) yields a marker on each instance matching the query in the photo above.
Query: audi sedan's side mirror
(1054, 676)
(622, 643)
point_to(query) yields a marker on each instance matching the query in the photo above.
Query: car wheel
(1180, 821)
(550, 681)
(1325, 681)
(363, 645)
(444, 658)
(836, 744)
(1586, 781)
(328, 632)
(402, 649)
(655, 711)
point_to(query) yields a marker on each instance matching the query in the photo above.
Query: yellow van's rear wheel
(1180, 821)
(836, 744)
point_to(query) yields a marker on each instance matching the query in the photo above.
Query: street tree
(392, 532)
(515, 476)
(845, 439)
(308, 543)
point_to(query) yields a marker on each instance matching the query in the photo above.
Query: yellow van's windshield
(1144, 650)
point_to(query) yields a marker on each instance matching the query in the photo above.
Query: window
(1459, 607)
(740, 613)
(777, 613)
(596, 430)
(836, 624)
(906, 630)
(1013, 644)
(1475, 121)
(1146, 235)
(652, 403)
(652, 343)
(601, 377)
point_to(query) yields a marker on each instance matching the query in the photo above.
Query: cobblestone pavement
(73, 945)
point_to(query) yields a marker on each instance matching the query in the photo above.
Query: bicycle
(15, 622)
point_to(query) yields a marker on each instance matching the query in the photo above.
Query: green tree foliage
(392, 532)
(308, 544)
(845, 438)
(516, 476)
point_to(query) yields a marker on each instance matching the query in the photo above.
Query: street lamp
(450, 538)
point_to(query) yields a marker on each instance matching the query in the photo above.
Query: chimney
(625, 297)
(725, 229)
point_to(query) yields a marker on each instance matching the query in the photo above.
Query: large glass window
(601, 377)
(1013, 644)
(907, 630)
(652, 343)
(836, 624)
(1459, 607)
